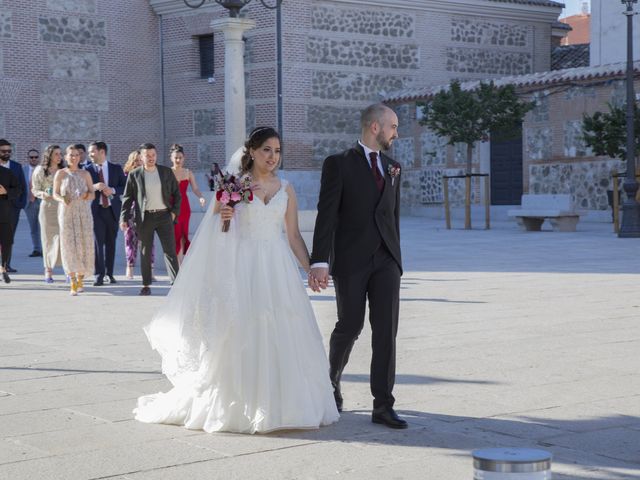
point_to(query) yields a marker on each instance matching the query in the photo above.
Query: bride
(237, 334)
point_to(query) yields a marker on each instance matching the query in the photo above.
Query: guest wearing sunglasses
(17, 203)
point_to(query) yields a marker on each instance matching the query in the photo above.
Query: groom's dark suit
(357, 232)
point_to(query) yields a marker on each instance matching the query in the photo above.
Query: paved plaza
(507, 338)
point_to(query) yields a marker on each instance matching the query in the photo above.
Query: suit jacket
(135, 194)
(117, 181)
(354, 217)
(9, 181)
(21, 200)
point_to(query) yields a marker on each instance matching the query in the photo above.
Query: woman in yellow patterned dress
(73, 188)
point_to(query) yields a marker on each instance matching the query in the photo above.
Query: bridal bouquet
(231, 190)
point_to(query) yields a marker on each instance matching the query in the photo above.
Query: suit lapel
(141, 186)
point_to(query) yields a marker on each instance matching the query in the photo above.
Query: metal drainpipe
(279, 72)
(163, 130)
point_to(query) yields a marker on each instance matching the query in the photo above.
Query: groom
(357, 233)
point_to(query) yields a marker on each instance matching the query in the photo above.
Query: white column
(234, 94)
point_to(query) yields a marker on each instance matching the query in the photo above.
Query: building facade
(337, 57)
(132, 71)
(79, 70)
(548, 156)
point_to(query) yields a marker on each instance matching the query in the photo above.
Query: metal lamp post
(631, 208)
(234, 6)
(234, 98)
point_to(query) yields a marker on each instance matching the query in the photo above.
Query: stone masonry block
(204, 122)
(74, 96)
(73, 126)
(362, 21)
(6, 24)
(76, 6)
(329, 119)
(80, 30)
(360, 53)
(70, 65)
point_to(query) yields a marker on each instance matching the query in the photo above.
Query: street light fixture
(234, 6)
(631, 208)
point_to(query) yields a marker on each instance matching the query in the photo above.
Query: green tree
(606, 132)
(469, 116)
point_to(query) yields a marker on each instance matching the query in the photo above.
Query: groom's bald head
(379, 126)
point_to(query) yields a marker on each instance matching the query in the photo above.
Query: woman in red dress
(185, 178)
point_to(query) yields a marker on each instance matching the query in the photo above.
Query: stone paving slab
(506, 338)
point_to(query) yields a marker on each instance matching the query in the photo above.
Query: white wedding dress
(237, 334)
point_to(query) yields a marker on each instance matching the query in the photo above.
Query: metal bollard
(511, 464)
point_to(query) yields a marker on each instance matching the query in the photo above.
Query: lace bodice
(260, 221)
(73, 185)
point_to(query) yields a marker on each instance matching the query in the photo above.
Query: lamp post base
(630, 227)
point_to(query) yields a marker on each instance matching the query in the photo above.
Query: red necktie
(103, 198)
(373, 156)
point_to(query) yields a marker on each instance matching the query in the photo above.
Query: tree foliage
(606, 132)
(469, 116)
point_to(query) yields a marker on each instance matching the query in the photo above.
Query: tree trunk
(467, 197)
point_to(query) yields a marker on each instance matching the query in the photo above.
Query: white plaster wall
(609, 32)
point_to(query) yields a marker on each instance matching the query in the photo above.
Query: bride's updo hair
(256, 139)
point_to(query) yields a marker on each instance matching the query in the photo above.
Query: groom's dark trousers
(357, 232)
(380, 281)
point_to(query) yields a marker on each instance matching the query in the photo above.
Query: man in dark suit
(357, 234)
(108, 181)
(19, 202)
(154, 191)
(9, 192)
(84, 161)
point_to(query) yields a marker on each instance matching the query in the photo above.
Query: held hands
(318, 278)
(123, 226)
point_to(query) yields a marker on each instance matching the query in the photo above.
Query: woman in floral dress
(73, 188)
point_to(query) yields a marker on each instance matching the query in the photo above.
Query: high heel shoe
(129, 273)
(74, 286)
(80, 283)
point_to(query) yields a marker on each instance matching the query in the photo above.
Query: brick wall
(80, 70)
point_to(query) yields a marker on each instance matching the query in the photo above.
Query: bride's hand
(255, 187)
(226, 212)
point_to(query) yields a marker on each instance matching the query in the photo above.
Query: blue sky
(572, 7)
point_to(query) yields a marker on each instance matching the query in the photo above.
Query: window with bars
(205, 44)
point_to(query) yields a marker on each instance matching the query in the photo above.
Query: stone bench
(558, 209)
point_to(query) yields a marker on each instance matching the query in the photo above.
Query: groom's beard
(384, 143)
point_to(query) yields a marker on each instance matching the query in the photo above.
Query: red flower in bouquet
(231, 190)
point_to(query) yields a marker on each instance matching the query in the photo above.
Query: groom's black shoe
(387, 416)
(337, 395)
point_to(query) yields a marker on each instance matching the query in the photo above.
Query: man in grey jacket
(152, 198)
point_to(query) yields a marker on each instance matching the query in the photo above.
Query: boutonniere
(394, 171)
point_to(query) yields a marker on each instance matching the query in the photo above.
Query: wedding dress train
(237, 334)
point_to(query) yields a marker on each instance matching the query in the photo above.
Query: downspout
(163, 127)
(279, 72)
